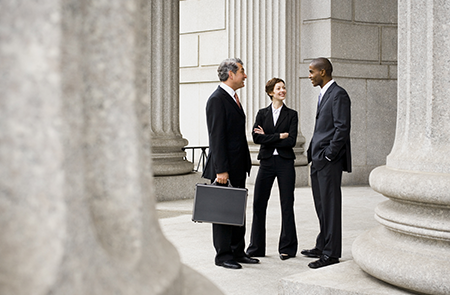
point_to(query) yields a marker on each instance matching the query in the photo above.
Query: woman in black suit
(275, 130)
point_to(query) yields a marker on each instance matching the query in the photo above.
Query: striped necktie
(237, 99)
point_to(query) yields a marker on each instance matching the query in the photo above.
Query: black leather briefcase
(219, 204)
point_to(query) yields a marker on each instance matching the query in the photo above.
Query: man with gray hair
(229, 156)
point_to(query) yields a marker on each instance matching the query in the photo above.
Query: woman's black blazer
(287, 122)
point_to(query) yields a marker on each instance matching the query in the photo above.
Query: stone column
(167, 141)
(32, 207)
(77, 203)
(411, 248)
(265, 35)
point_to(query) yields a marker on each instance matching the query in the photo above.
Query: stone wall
(360, 38)
(203, 45)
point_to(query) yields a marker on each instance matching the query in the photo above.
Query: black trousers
(326, 188)
(283, 170)
(229, 240)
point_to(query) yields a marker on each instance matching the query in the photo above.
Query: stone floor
(272, 275)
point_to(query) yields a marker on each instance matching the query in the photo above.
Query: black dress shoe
(315, 253)
(325, 260)
(255, 255)
(246, 259)
(285, 256)
(229, 264)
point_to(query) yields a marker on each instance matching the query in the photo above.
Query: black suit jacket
(287, 122)
(331, 136)
(228, 147)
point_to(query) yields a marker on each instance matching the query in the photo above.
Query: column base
(413, 186)
(168, 156)
(164, 167)
(410, 262)
(177, 187)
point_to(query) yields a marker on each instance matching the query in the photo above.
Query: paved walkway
(194, 240)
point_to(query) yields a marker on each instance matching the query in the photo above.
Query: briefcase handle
(228, 183)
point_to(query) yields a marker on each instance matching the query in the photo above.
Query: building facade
(93, 124)
(279, 38)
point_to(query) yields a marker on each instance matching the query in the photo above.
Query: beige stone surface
(380, 11)
(189, 45)
(411, 247)
(202, 15)
(272, 275)
(177, 187)
(346, 41)
(341, 279)
(77, 204)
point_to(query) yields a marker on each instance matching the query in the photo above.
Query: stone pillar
(411, 248)
(32, 207)
(77, 204)
(174, 178)
(265, 35)
(167, 141)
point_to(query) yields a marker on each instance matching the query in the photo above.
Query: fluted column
(167, 141)
(265, 35)
(411, 248)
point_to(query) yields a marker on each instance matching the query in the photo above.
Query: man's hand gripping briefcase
(219, 204)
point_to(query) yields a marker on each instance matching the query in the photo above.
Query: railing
(203, 155)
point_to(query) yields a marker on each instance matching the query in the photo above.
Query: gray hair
(229, 64)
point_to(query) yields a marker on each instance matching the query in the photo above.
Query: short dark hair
(323, 63)
(229, 64)
(270, 85)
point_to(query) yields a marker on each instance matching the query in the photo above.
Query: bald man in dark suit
(330, 155)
